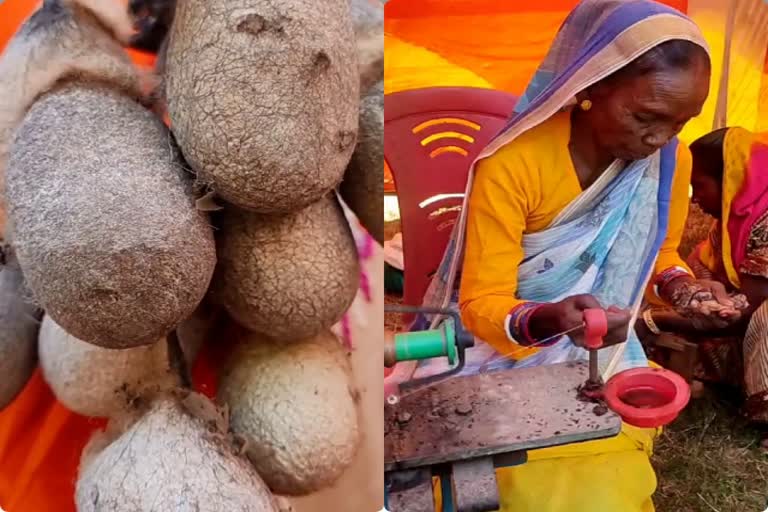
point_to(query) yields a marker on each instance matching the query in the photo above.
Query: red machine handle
(595, 328)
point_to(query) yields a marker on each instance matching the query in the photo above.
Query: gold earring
(586, 105)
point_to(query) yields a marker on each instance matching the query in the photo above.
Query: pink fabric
(365, 252)
(749, 204)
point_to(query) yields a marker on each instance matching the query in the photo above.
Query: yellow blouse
(521, 189)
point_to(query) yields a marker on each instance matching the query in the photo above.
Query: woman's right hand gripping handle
(556, 317)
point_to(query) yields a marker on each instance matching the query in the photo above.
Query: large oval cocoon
(104, 218)
(287, 276)
(102, 382)
(263, 97)
(170, 459)
(293, 402)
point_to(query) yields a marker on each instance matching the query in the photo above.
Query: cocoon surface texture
(359, 488)
(293, 403)
(368, 20)
(287, 276)
(262, 97)
(19, 325)
(172, 459)
(95, 381)
(104, 219)
(363, 186)
(60, 40)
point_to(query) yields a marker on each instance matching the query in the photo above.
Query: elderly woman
(580, 202)
(730, 183)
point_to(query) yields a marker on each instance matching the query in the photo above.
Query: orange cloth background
(501, 42)
(496, 44)
(472, 43)
(41, 440)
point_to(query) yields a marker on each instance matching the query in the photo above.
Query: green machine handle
(418, 345)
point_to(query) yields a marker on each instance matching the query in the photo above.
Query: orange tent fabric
(500, 42)
(469, 43)
(493, 44)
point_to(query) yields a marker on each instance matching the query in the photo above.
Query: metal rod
(594, 374)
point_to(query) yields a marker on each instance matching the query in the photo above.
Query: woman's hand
(557, 317)
(669, 320)
(704, 299)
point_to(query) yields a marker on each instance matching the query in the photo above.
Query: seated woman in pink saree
(730, 183)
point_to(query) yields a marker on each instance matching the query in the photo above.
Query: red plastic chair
(431, 137)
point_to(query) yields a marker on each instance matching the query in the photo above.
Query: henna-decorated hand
(706, 302)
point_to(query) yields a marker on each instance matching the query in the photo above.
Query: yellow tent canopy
(497, 44)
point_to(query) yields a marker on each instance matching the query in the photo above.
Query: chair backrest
(431, 137)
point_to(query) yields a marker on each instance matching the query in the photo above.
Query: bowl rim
(652, 416)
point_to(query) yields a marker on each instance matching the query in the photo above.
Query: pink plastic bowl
(647, 397)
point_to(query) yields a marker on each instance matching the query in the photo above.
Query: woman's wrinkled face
(707, 191)
(633, 117)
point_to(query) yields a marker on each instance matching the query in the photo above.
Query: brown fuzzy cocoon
(19, 325)
(286, 276)
(368, 20)
(262, 97)
(363, 186)
(292, 401)
(170, 459)
(61, 41)
(104, 218)
(96, 381)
